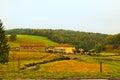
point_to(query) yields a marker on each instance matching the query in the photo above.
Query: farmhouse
(32, 47)
(64, 48)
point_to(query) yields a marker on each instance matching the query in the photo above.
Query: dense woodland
(85, 40)
(113, 43)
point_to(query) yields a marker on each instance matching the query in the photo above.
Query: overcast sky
(99, 16)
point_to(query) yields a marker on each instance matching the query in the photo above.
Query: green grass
(108, 54)
(30, 38)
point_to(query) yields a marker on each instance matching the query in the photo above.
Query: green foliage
(13, 37)
(98, 47)
(113, 39)
(113, 43)
(4, 47)
(83, 40)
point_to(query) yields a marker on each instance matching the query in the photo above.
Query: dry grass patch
(73, 66)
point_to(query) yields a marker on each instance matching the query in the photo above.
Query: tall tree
(4, 46)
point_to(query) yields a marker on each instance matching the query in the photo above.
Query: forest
(85, 40)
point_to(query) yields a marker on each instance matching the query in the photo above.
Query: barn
(32, 47)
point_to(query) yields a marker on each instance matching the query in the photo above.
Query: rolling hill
(85, 40)
(30, 38)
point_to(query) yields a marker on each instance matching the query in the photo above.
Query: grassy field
(83, 67)
(30, 38)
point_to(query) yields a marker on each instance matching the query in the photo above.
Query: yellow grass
(73, 66)
(29, 57)
(57, 69)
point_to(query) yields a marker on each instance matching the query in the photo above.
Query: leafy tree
(98, 47)
(4, 47)
(13, 37)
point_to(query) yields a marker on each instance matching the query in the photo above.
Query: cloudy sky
(99, 16)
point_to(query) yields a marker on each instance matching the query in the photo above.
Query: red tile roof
(32, 44)
(64, 45)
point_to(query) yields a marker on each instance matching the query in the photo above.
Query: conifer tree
(4, 46)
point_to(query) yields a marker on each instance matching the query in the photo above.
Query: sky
(98, 16)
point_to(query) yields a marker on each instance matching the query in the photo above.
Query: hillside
(30, 38)
(85, 40)
(113, 43)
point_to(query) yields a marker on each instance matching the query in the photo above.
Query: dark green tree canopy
(4, 47)
(13, 37)
(113, 40)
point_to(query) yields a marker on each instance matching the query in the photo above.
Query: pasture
(30, 38)
(83, 67)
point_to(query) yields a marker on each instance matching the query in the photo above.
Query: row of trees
(113, 40)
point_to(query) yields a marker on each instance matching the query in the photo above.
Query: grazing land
(30, 38)
(54, 66)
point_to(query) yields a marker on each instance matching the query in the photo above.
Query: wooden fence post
(18, 63)
(13, 55)
(100, 66)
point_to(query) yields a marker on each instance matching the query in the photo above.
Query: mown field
(30, 38)
(51, 66)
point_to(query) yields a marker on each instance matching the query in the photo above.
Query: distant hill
(85, 40)
(30, 38)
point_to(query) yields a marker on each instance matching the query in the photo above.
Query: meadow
(30, 38)
(83, 67)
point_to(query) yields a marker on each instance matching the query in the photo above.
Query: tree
(13, 37)
(98, 47)
(4, 46)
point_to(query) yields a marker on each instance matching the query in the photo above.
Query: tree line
(113, 40)
(85, 40)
